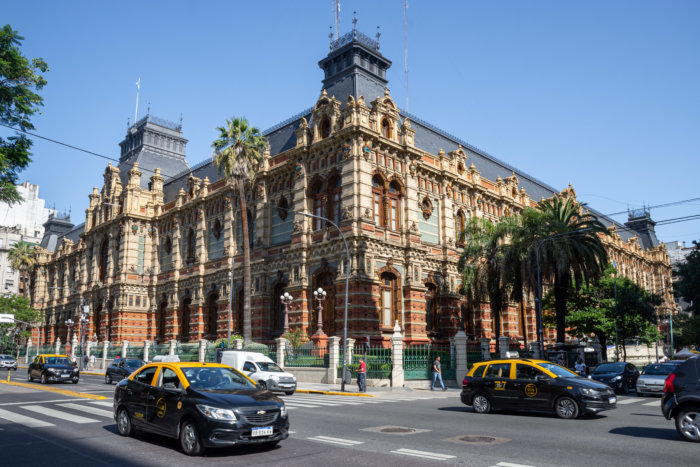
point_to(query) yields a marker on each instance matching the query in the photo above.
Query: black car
(201, 404)
(121, 368)
(621, 376)
(533, 385)
(681, 399)
(49, 368)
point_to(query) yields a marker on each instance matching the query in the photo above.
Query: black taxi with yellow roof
(49, 368)
(201, 404)
(526, 384)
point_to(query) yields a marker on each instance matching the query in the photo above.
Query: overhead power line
(666, 205)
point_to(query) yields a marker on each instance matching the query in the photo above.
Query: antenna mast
(336, 14)
(138, 89)
(405, 50)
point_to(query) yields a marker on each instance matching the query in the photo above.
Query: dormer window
(325, 128)
(386, 128)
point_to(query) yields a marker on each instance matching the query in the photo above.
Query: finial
(148, 112)
(378, 35)
(127, 123)
(354, 25)
(330, 36)
(180, 121)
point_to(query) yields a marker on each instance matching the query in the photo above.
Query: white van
(261, 369)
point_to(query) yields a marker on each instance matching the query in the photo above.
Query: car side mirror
(542, 378)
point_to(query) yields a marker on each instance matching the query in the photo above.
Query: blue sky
(603, 95)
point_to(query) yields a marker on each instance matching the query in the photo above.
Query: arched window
(184, 333)
(389, 300)
(190, 246)
(283, 208)
(386, 203)
(276, 309)
(325, 128)
(160, 320)
(212, 315)
(318, 198)
(217, 229)
(386, 128)
(97, 322)
(167, 245)
(459, 228)
(377, 202)
(432, 321)
(104, 254)
(394, 206)
(334, 194)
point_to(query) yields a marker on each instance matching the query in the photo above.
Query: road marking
(339, 441)
(292, 405)
(627, 401)
(88, 409)
(509, 464)
(654, 403)
(23, 419)
(60, 391)
(58, 414)
(104, 403)
(423, 454)
(329, 402)
(43, 402)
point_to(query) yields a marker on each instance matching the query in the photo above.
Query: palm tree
(571, 251)
(482, 267)
(238, 151)
(22, 258)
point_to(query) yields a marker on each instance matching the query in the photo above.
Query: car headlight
(589, 392)
(617, 378)
(216, 413)
(53, 370)
(283, 411)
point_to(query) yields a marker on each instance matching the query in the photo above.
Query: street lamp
(69, 325)
(286, 299)
(84, 314)
(320, 295)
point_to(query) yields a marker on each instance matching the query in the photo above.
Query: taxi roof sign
(166, 358)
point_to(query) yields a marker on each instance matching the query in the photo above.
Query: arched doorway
(160, 320)
(97, 322)
(324, 280)
(432, 318)
(184, 320)
(212, 316)
(276, 310)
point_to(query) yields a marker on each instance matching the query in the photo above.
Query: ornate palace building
(153, 258)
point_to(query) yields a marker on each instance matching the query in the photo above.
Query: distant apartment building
(22, 221)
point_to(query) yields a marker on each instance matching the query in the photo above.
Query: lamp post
(320, 295)
(84, 317)
(84, 320)
(286, 300)
(69, 324)
(347, 287)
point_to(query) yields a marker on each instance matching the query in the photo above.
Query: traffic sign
(7, 318)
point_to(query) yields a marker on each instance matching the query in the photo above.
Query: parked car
(8, 361)
(621, 376)
(653, 377)
(51, 367)
(681, 399)
(261, 369)
(526, 384)
(121, 368)
(201, 404)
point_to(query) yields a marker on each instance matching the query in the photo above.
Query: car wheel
(44, 379)
(75, 380)
(108, 378)
(481, 404)
(566, 407)
(688, 423)
(29, 377)
(189, 438)
(263, 385)
(289, 393)
(124, 422)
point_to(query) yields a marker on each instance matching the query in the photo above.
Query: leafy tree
(22, 258)
(686, 330)
(688, 283)
(238, 152)
(22, 311)
(482, 264)
(570, 249)
(20, 77)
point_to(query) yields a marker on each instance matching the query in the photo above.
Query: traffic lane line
(423, 454)
(338, 441)
(65, 392)
(334, 393)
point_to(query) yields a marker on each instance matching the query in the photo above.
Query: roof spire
(354, 25)
(378, 34)
(330, 36)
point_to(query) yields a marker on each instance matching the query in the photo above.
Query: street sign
(7, 318)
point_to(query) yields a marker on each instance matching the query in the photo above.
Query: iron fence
(97, 351)
(187, 352)
(377, 361)
(114, 350)
(306, 355)
(158, 349)
(418, 361)
(134, 352)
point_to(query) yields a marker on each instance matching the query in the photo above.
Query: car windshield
(134, 363)
(658, 369)
(216, 379)
(560, 371)
(610, 368)
(57, 361)
(269, 366)
(6, 357)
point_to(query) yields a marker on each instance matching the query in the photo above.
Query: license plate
(262, 431)
(66, 375)
(612, 400)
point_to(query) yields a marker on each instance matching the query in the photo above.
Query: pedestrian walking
(361, 373)
(86, 359)
(437, 374)
(92, 361)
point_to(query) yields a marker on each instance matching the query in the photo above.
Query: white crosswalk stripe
(58, 414)
(423, 454)
(510, 464)
(627, 401)
(23, 419)
(104, 403)
(88, 409)
(338, 441)
(654, 403)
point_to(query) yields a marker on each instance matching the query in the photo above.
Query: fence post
(535, 349)
(146, 350)
(57, 346)
(202, 350)
(281, 349)
(503, 346)
(485, 348)
(397, 375)
(349, 349)
(333, 359)
(238, 344)
(73, 346)
(125, 347)
(460, 357)
(105, 349)
(29, 346)
(173, 345)
(598, 351)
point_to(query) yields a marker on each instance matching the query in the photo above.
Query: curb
(333, 393)
(65, 392)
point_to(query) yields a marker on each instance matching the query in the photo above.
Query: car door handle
(129, 392)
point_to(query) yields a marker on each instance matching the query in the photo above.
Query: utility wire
(674, 203)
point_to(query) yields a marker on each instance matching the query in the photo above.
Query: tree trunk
(561, 287)
(624, 351)
(523, 316)
(247, 321)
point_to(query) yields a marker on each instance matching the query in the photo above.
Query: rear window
(479, 372)
(659, 369)
(498, 370)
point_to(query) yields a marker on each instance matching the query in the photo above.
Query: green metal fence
(47, 349)
(134, 352)
(377, 360)
(22, 352)
(187, 352)
(306, 355)
(97, 351)
(158, 349)
(418, 361)
(210, 354)
(114, 350)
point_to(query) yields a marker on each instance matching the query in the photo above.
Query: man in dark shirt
(437, 374)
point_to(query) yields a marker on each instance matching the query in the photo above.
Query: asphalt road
(39, 427)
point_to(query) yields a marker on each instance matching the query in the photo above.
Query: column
(535, 349)
(73, 346)
(146, 345)
(238, 344)
(173, 345)
(281, 348)
(125, 347)
(503, 346)
(333, 359)
(397, 376)
(485, 348)
(57, 345)
(461, 369)
(29, 348)
(105, 349)
(202, 350)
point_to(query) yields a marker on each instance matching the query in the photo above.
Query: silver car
(653, 378)
(8, 361)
